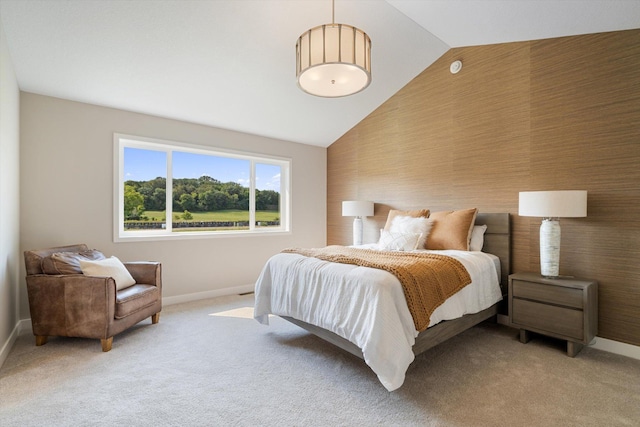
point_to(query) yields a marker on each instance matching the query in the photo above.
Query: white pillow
(390, 241)
(477, 237)
(110, 267)
(411, 225)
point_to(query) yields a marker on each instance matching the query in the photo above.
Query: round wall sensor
(455, 67)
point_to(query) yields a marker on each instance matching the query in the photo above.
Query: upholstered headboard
(497, 241)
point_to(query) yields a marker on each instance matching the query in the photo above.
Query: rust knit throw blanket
(427, 279)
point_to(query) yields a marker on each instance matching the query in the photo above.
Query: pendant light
(333, 60)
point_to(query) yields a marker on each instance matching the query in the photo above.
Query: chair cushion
(135, 298)
(68, 262)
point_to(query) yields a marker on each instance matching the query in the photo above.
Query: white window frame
(120, 141)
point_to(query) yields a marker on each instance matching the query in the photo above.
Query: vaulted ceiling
(231, 63)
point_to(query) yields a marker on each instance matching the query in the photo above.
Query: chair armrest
(145, 272)
(71, 305)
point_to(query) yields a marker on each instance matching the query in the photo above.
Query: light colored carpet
(208, 363)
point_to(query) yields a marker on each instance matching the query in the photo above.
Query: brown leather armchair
(75, 305)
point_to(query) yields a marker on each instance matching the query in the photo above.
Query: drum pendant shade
(333, 60)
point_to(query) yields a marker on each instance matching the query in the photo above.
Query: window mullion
(169, 193)
(252, 195)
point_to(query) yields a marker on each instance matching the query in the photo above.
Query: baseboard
(208, 294)
(24, 326)
(616, 347)
(598, 343)
(8, 345)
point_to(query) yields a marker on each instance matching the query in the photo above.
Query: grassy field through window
(227, 220)
(224, 215)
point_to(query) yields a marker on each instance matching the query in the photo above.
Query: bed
(376, 328)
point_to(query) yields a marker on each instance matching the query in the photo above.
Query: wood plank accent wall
(556, 114)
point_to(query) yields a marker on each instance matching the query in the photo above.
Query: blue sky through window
(144, 165)
(267, 177)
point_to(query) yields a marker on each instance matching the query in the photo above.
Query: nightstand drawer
(557, 295)
(557, 320)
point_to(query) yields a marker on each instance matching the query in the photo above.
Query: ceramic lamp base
(550, 248)
(357, 231)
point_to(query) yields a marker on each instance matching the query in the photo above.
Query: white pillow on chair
(109, 267)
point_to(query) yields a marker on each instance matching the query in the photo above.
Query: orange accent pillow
(414, 214)
(451, 229)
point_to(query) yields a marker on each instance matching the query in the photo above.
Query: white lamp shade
(553, 204)
(333, 60)
(357, 208)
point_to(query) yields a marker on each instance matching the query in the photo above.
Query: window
(173, 190)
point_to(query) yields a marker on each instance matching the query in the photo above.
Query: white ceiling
(231, 63)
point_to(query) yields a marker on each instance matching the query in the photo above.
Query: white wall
(10, 257)
(67, 186)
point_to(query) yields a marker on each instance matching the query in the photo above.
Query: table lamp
(358, 209)
(552, 205)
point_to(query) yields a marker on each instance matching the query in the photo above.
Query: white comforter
(365, 305)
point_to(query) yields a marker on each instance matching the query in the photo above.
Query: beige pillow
(68, 262)
(451, 229)
(414, 214)
(110, 267)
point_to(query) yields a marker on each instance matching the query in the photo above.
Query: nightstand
(564, 308)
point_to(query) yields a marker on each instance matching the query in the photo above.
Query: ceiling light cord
(333, 12)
